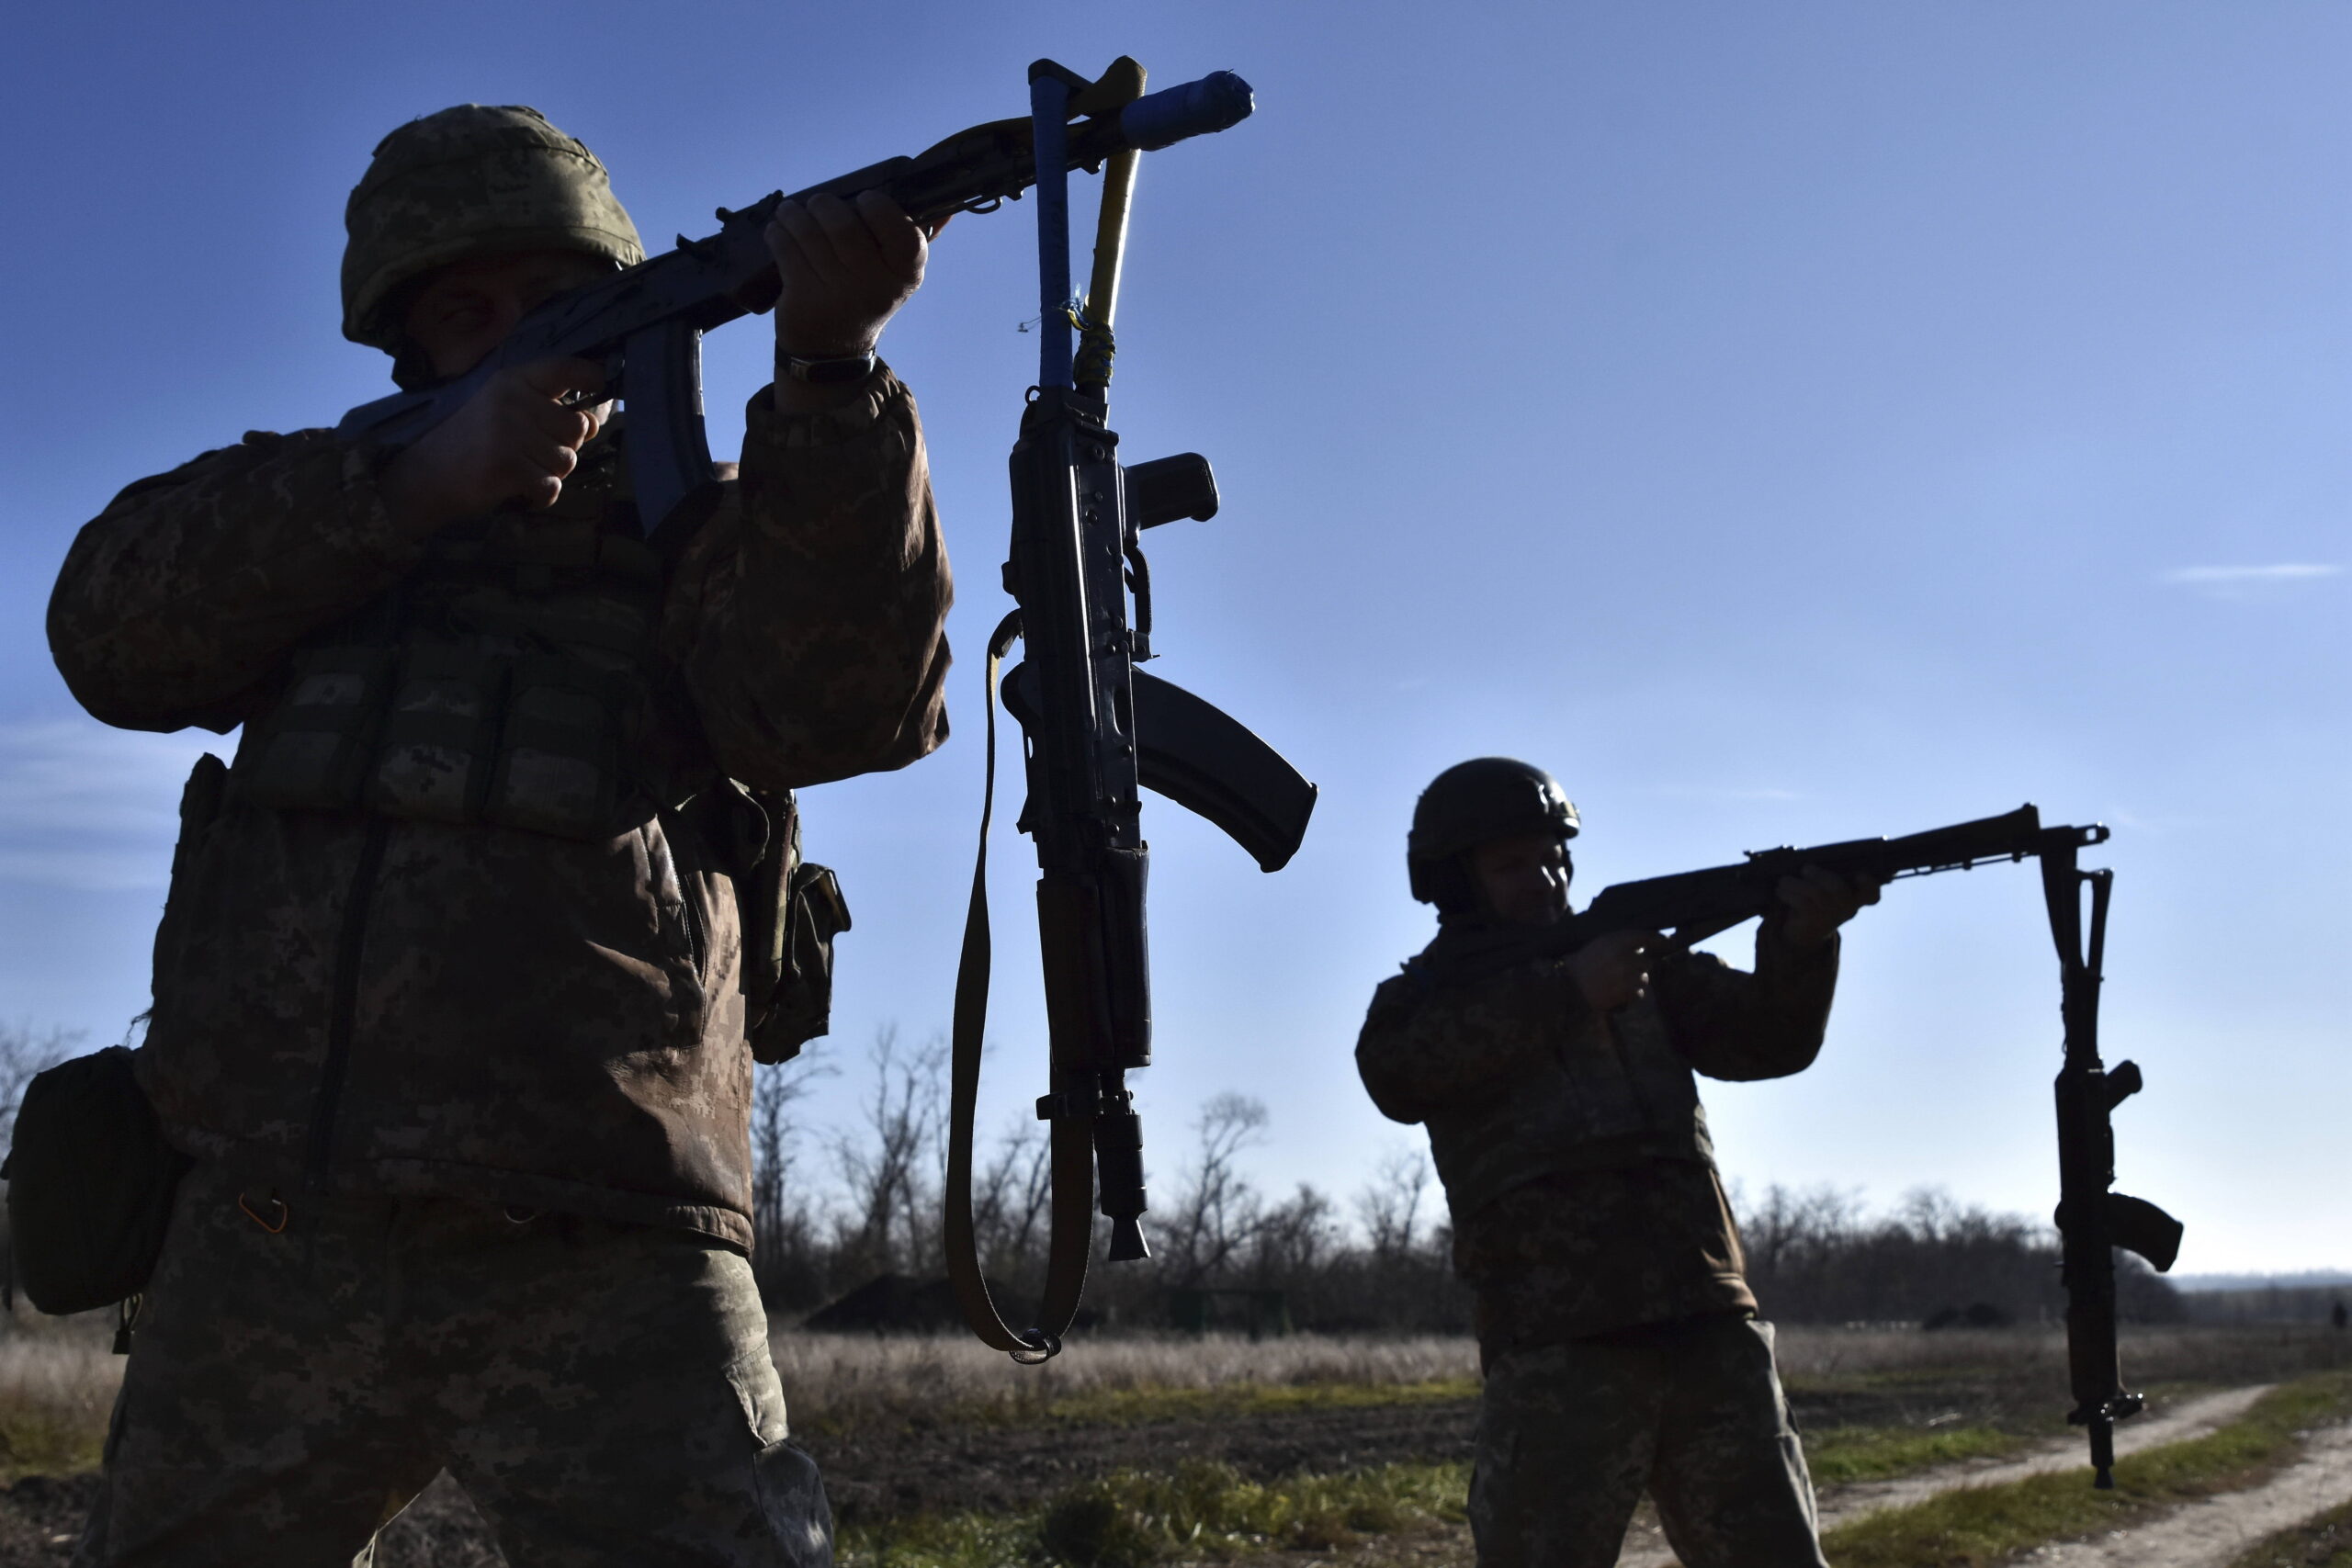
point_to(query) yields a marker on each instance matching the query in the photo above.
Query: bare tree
(1294, 1240)
(892, 1167)
(783, 1220)
(1010, 1194)
(1390, 1206)
(1217, 1209)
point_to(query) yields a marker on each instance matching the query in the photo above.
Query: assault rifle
(1691, 905)
(645, 325)
(2092, 1219)
(1098, 730)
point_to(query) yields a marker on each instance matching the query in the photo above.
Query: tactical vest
(1617, 1094)
(503, 681)
(509, 681)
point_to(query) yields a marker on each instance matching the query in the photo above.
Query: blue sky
(1787, 423)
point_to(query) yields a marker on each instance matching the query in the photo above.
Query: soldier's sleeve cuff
(882, 395)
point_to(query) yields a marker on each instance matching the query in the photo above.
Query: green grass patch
(2323, 1543)
(1840, 1454)
(42, 1440)
(1134, 1519)
(1978, 1526)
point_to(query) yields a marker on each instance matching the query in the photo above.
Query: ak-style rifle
(1098, 731)
(2092, 1219)
(645, 325)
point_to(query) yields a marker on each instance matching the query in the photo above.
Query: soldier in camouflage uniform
(1619, 1341)
(449, 988)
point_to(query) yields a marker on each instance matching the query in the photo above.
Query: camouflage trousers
(1570, 1435)
(301, 1371)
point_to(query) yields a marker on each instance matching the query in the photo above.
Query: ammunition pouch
(451, 733)
(90, 1185)
(791, 911)
(558, 751)
(313, 751)
(435, 744)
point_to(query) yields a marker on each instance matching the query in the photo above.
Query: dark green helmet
(474, 180)
(1473, 802)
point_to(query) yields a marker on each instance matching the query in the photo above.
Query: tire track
(2168, 1423)
(2211, 1532)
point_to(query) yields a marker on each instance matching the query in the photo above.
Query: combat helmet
(473, 180)
(1472, 802)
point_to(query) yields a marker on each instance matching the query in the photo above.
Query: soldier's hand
(1818, 901)
(516, 440)
(846, 269)
(1614, 969)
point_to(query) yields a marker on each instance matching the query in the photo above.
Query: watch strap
(829, 372)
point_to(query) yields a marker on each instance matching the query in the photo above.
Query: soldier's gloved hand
(515, 440)
(1815, 902)
(1614, 969)
(845, 268)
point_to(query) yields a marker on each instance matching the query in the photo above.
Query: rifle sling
(1071, 1147)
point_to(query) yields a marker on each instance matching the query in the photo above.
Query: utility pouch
(559, 754)
(439, 739)
(311, 751)
(90, 1185)
(791, 912)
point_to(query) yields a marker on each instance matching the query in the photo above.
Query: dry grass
(842, 1377)
(2173, 1354)
(57, 1380)
(57, 1384)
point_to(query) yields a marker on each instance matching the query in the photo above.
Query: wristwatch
(829, 372)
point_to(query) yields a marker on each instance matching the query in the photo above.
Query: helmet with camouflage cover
(1473, 802)
(473, 180)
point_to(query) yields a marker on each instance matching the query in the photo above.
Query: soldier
(449, 990)
(1619, 1341)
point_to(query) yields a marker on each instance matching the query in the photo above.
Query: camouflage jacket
(352, 1001)
(1572, 1145)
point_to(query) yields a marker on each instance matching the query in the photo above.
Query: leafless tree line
(1819, 1257)
(836, 1207)
(840, 1206)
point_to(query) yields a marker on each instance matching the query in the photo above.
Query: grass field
(1354, 1438)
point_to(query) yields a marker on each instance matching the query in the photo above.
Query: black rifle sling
(1072, 1151)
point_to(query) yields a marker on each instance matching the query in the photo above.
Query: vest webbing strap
(1071, 1147)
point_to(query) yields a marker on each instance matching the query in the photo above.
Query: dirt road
(2205, 1534)
(2211, 1533)
(2169, 1423)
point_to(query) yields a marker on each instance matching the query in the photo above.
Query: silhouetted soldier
(1621, 1343)
(449, 991)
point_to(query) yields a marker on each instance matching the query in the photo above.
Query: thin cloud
(2245, 581)
(90, 808)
